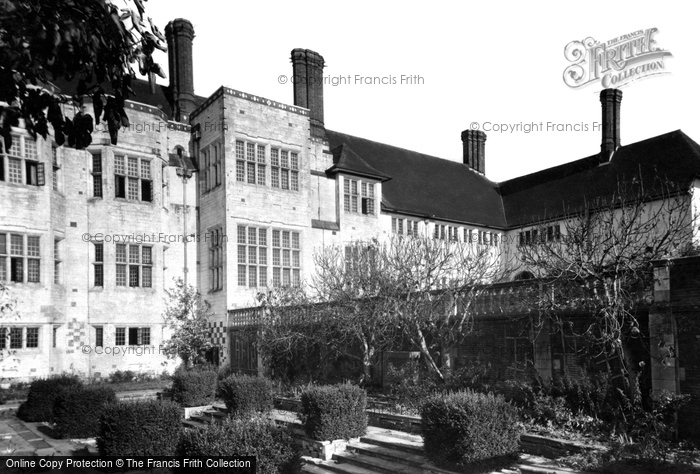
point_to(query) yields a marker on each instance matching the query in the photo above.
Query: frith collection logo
(616, 62)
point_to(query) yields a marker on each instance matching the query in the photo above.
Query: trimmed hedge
(77, 411)
(334, 412)
(468, 430)
(42, 394)
(196, 387)
(276, 451)
(245, 394)
(141, 428)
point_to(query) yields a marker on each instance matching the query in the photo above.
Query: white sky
(499, 62)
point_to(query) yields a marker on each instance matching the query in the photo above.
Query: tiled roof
(425, 185)
(667, 162)
(345, 160)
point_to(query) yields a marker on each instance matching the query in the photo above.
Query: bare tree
(598, 260)
(430, 287)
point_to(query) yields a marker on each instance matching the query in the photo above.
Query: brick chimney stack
(474, 144)
(179, 34)
(307, 69)
(610, 100)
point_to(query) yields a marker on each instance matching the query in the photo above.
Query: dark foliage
(144, 428)
(194, 387)
(77, 412)
(469, 430)
(334, 412)
(275, 450)
(42, 394)
(245, 394)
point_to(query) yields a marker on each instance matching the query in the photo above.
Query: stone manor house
(233, 193)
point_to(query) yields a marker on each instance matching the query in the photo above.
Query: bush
(334, 412)
(468, 429)
(244, 394)
(275, 449)
(42, 394)
(77, 412)
(194, 387)
(121, 376)
(143, 428)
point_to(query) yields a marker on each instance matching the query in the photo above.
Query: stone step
(392, 442)
(340, 468)
(388, 454)
(375, 464)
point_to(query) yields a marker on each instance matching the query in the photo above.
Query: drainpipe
(185, 174)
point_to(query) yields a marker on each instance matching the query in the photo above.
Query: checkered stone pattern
(217, 335)
(77, 335)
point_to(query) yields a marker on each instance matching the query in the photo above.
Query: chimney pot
(179, 34)
(307, 70)
(610, 100)
(474, 152)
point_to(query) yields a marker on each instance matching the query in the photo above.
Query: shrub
(275, 449)
(41, 396)
(77, 412)
(194, 387)
(334, 412)
(468, 429)
(244, 394)
(143, 428)
(121, 376)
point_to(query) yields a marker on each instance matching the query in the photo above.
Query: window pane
(119, 165)
(146, 255)
(145, 169)
(121, 275)
(17, 269)
(252, 235)
(146, 277)
(30, 149)
(295, 181)
(99, 275)
(261, 154)
(133, 167)
(285, 239)
(241, 254)
(97, 185)
(275, 177)
(252, 276)
(133, 276)
(250, 155)
(263, 276)
(262, 233)
(33, 246)
(240, 171)
(99, 252)
(284, 161)
(285, 179)
(14, 170)
(275, 157)
(32, 337)
(17, 244)
(133, 190)
(3, 244)
(261, 175)
(99, 337)
(3, 268)
(120, 338)
(15, 338)
(97, 163)
(295, 240)
(295, 161)
(33, 270)
(241, 275)
(251, 173)
(133, 254)
(240, 150)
